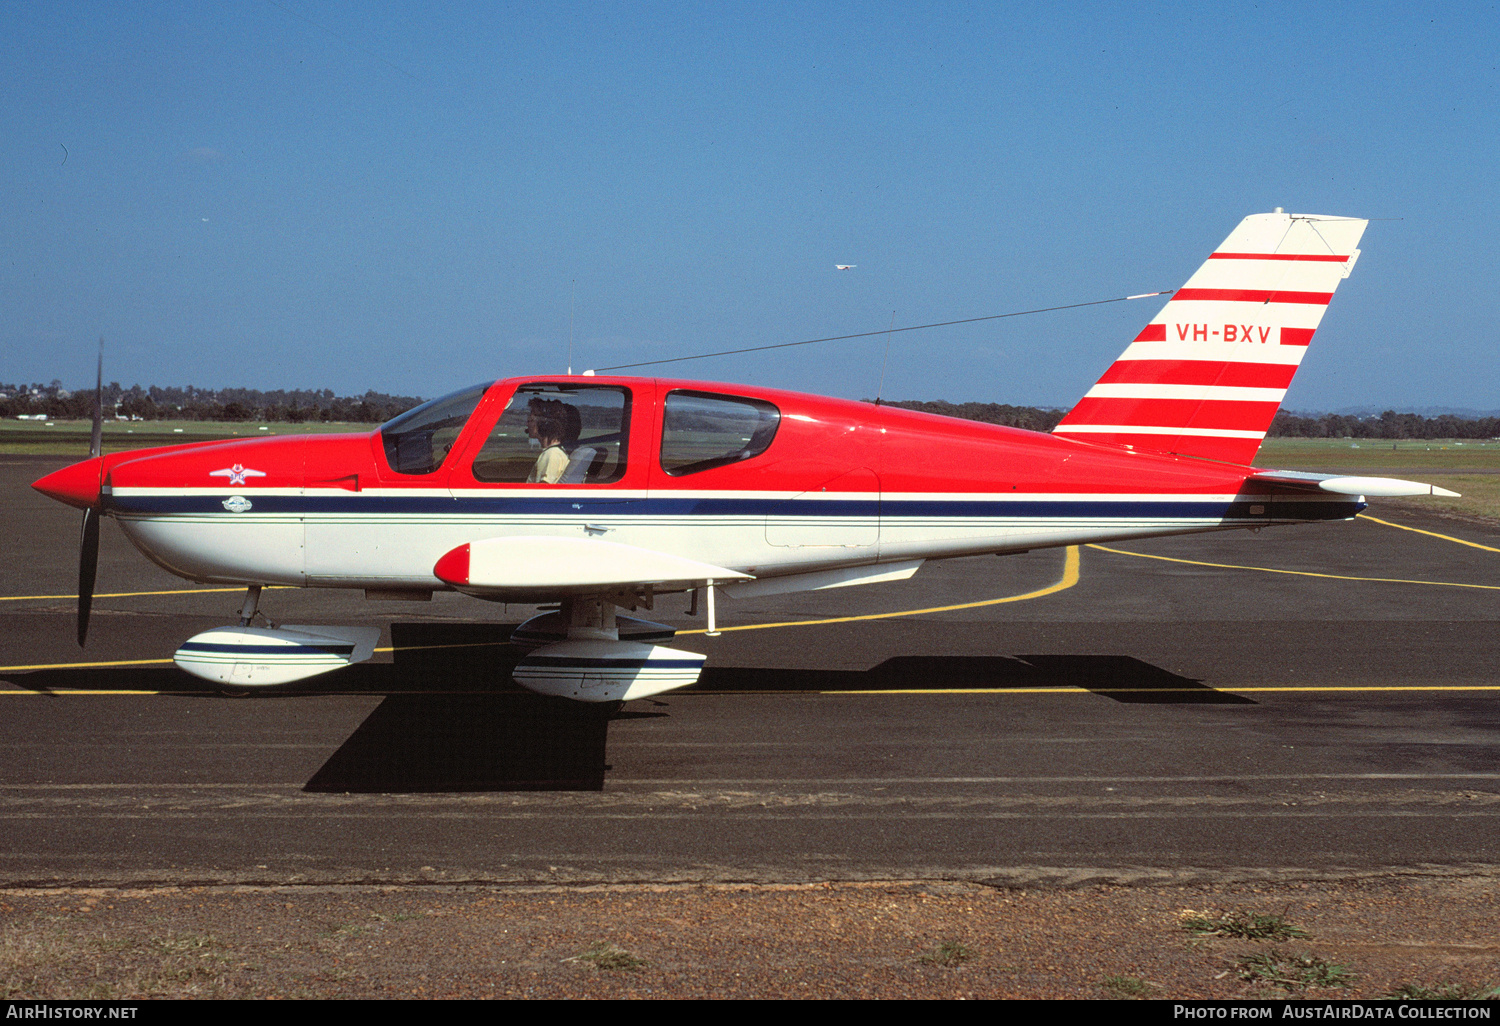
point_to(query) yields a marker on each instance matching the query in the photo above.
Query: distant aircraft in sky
(844, 267)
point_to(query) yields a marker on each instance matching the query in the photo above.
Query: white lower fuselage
(391, 538)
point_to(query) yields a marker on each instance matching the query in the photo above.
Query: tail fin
(1206, 376)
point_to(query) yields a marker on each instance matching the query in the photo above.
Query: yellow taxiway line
(1068, 579)
(134, 594)
(72, 692)
(158, 662)
(1295, 573)
(1063, 690)
(1430, 534)
(1082, 690)
(83, 666)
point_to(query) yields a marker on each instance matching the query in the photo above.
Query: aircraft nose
(78, 485)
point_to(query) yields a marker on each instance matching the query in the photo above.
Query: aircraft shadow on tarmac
(1122, 678)
(450, 719)
(456, 723)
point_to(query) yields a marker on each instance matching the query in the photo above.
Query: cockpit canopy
(579, 433)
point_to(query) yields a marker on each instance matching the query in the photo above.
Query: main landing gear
(584, 650)
(589, 653)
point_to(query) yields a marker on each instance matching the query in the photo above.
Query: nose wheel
(245, 658)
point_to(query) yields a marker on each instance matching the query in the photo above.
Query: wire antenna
(867, 334)
(571, 297)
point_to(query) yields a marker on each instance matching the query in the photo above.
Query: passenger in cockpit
(548, 422)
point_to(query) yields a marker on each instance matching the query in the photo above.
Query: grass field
(1469, 467)
(1341, 454)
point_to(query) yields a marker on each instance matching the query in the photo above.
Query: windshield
(418, 441)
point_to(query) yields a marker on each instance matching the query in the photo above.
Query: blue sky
(288, 193)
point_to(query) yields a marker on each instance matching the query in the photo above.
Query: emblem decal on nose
(237, 504)
(237, 473)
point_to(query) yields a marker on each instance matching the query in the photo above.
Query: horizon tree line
(300, 406)
(296, 406)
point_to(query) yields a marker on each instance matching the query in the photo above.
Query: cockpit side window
(418, 441)
(703, 430)
(559, 434)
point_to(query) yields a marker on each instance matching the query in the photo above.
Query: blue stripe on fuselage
(586, 506)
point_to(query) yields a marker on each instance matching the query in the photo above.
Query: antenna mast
(571, 297)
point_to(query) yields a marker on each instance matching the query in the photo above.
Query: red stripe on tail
(1199, 372)
(1252, 296)
(1217, 414)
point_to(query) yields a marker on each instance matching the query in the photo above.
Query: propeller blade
(88, 545)
(88, 564)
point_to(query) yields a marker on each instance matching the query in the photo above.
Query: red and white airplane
(602, 494)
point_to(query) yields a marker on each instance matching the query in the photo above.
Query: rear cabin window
(558, 434)
(703, 430)
(418, 441)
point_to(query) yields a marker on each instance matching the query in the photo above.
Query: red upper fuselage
(819, 443)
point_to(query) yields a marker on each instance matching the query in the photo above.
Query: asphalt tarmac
(1140, 719)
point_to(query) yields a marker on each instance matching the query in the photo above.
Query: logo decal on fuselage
(237, 504)
(237, 473)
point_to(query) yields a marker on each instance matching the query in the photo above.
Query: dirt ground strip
(1363, 939)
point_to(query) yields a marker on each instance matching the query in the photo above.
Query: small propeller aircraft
(602, 494)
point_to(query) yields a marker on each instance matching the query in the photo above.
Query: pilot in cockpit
(548, 421)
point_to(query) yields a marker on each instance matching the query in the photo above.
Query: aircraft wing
(520, 567)
(1385, 487)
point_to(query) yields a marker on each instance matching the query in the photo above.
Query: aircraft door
(557, 460)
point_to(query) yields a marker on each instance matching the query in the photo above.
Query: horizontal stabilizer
(1382, 487)
(564, 565)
